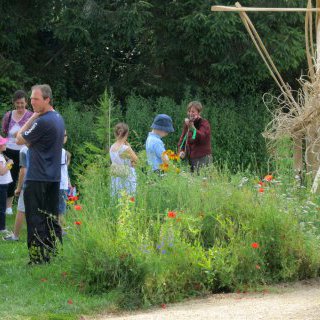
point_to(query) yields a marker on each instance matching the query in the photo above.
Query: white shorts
(21, 206)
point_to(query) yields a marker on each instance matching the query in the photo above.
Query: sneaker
(11, 237)
(4, 231)
(9, 211)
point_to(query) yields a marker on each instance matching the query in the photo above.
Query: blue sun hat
(162, 122)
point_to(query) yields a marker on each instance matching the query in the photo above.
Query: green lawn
(41, 292)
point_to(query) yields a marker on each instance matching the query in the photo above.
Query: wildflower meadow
(180, 236)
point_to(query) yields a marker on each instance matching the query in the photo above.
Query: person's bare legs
(20, 217)
(18, 223)
(9, 204)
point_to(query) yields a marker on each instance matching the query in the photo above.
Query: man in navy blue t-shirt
(43, 133)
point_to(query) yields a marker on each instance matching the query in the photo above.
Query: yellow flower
(168, 152)
(164, 167)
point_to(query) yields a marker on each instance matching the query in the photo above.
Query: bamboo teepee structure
(296, 115)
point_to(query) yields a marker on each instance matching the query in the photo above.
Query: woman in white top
(12, 122)
(5, 179)
(123, 160)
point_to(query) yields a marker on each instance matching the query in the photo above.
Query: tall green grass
(128, 253)
(148, 257)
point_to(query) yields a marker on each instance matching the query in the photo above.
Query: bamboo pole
(309, 42)
(314, 163)
(318, 39)
(265, 56)
(253, 9)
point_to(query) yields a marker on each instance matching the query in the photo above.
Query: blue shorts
(62, 201)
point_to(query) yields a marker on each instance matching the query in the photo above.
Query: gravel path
(298, 301)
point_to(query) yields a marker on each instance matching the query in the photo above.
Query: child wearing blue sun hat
(161, 127)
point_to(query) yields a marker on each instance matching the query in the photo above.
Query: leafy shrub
(78, 121)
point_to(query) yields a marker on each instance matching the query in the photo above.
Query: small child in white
(23, 163)
(5, 179)
(64, 182)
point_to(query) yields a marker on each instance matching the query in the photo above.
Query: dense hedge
(236, 126)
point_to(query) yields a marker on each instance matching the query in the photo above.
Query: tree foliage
(147, 48)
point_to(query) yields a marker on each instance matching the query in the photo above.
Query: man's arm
(19, 138)
(22, 174)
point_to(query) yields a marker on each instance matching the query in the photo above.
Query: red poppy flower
(268, 177)
(260, 183)
(258, 267)
(163, 305)
(78, 223)
(261, 190)
(70, 301)
(197, 286)
(255, 245)
(78, 207)
(172, 214)
(132, 199)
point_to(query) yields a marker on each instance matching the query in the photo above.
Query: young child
(23, 163)
(64, 182)
(123, 161)
(161, 127)
(5, 179)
